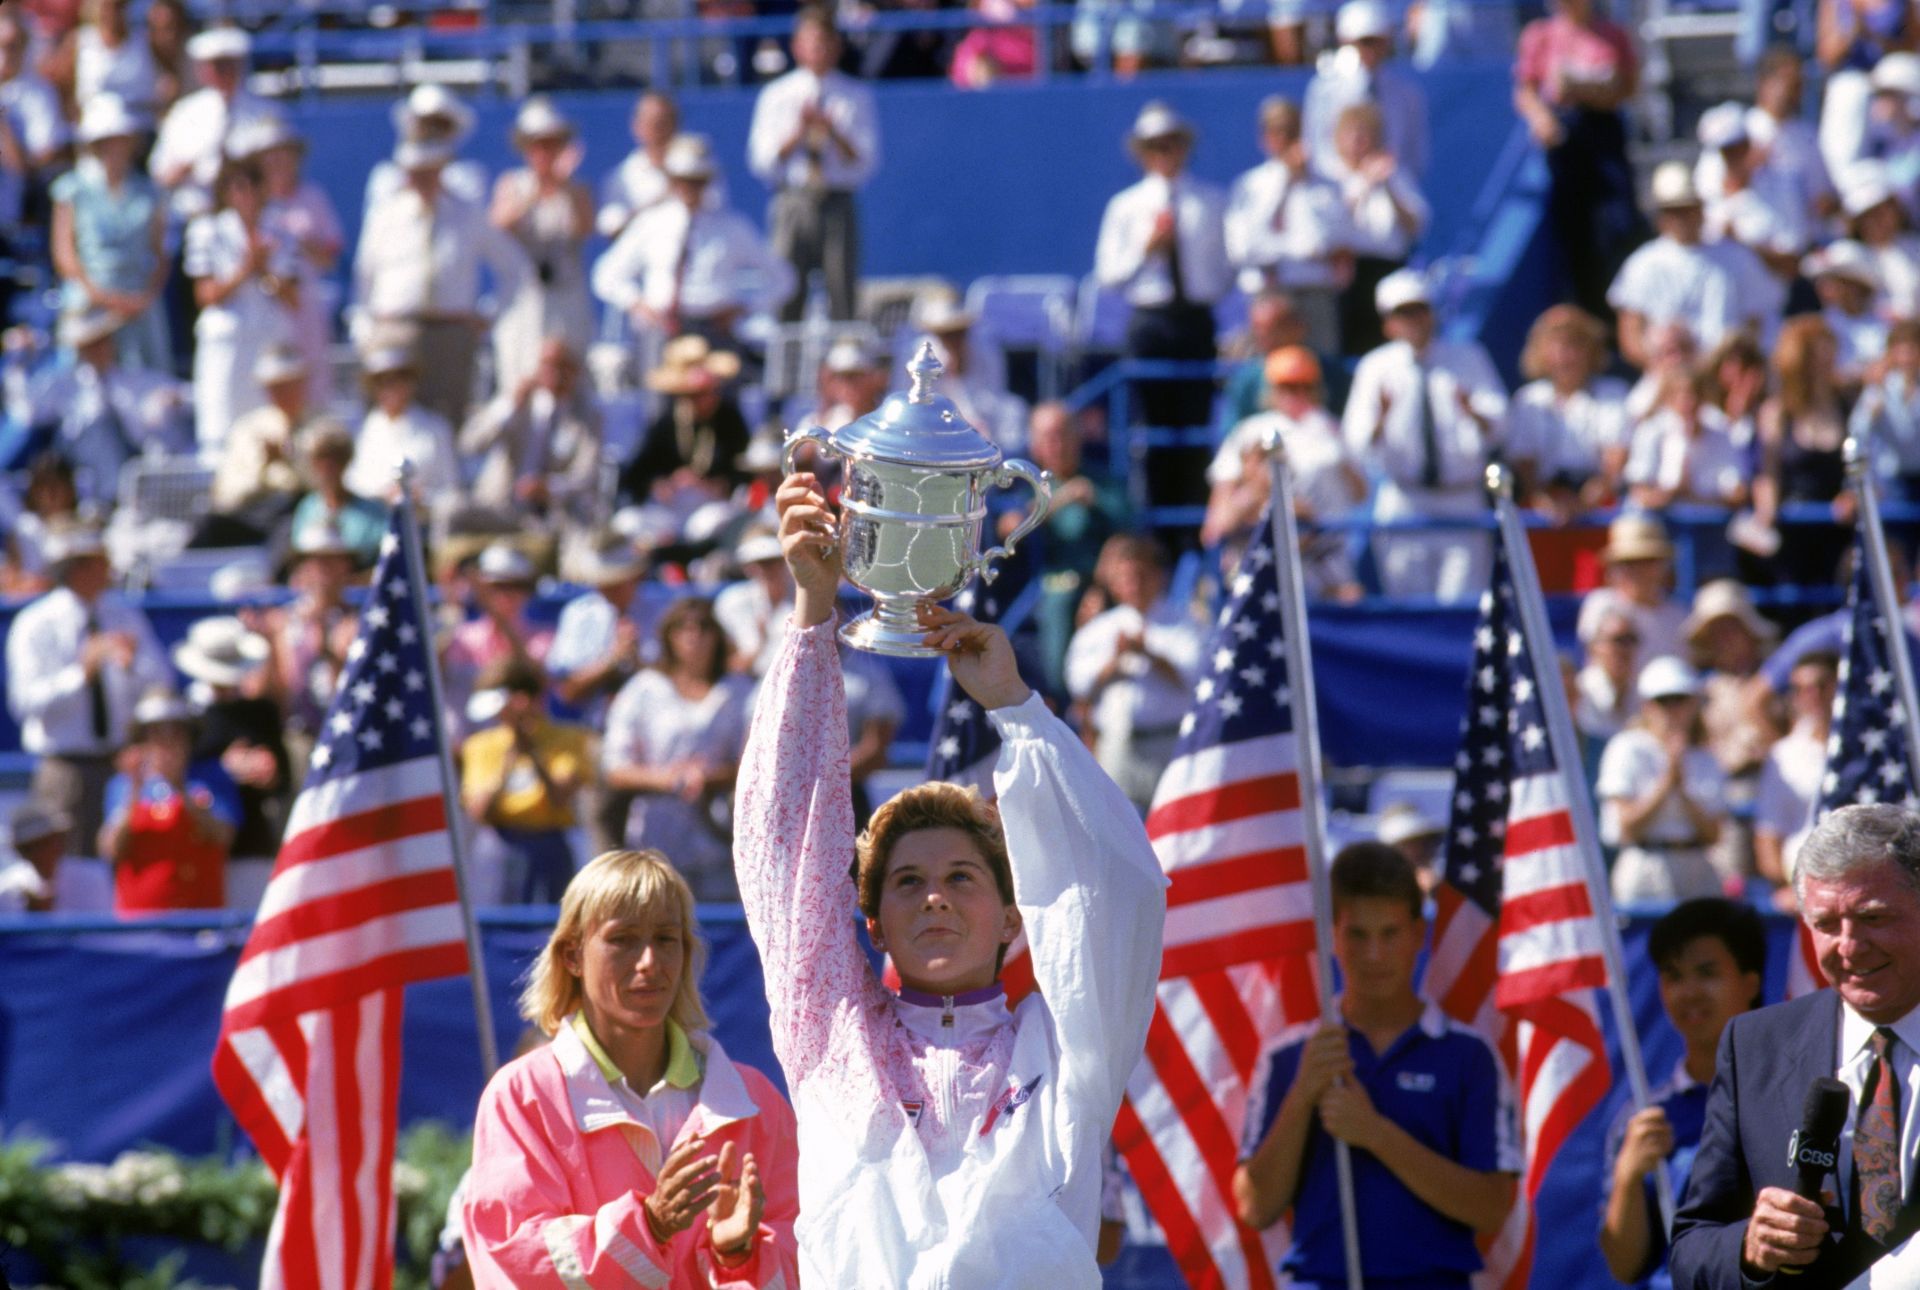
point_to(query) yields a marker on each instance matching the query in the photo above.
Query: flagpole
(1306, 730)
(450, 802)
(1566, 755)
(1875, 547)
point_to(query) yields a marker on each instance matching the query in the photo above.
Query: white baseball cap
(1399, 289)
(1672, 186)
(1667, 677)
(107, 116)
(1723, 126)
(216, 43)
(1360, 19)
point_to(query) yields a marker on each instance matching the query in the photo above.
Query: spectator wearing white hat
(310, 636)
(169, 820)
(1662, 794)
(39, 876)
(689, 454)
(1386, 216)
(417, 275)
(1893, 123)
(300, 211)
(754, 610)
(1754, 208)
(1637, 568)
(78, 658)
(686, 267)
(639, 182)
(190, 149)
(1573, 73)
(851, 382)
(1712, 289)
(434, 115)
(241, 727)
(1848, 289)
(1362, 71)
(36, 134)
(257, 480)
(103, 414)
(1786, 149)
(538, 443)
(1286, 227)
(1426, 413)
(815, 141)
(549, 212)
(109, 234)
(246, 275)
(1887, 416)
(1883, 227)
(1163, 244)
(397, 428)
(974, 377)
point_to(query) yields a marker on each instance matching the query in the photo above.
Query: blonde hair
(615, 884)
(1564, 320)
(937, 805)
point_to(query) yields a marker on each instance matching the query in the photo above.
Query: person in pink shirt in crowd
(947, 1139)
(631, 1151)
(501, 582)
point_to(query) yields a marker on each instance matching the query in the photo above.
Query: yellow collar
(683, 1067)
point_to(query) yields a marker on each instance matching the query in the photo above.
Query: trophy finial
(924, 370)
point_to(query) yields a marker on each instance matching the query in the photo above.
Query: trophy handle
(1041, 482)
(812, 434)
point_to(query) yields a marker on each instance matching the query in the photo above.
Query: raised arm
(793, 811)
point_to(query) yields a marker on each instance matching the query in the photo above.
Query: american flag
(1867, 750)
(1237, 969)
(1517, 950)
(363, 899)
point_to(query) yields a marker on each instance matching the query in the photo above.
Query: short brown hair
(696, 609)
(938, 805)
(1373, 871)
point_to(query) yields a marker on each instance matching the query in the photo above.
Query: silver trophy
(912, 506)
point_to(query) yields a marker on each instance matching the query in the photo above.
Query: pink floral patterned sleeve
(792, 846)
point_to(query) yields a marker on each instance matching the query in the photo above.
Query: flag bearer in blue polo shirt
(1420, 1099)
(1712, 956)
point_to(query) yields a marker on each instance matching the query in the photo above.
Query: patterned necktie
(1876, 1143)
(1175, 270)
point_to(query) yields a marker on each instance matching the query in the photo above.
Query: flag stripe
(1225, 952)
(432, 889)
(1237, 876)
(1269, 793)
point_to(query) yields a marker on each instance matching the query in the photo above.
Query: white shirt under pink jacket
(560, 1171)
(946, 1142)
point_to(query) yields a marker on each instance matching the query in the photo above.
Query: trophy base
(871, 633)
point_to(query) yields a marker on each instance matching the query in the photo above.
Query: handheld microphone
(1813, 1152)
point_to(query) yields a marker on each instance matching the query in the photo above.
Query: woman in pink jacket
(629, 1151)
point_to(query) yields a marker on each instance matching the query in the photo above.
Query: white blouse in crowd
(1122, 262)
(1705, 465)
(776, 114)
(1139, 697)
(1898, 266)
(1283, 227)
(717, 258)
(125, 69)
(1789, 782)
(466, 179)
(1374, 225)
(32, 108)
(193, 133)
(1395, 377)
(414, 259)
(754, 625)
(1633, 762)
(650, 723)
(1713, 288)
(1565, 436)
(1887, 420)
(417, 434)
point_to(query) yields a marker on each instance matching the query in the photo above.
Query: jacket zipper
(950, 1103)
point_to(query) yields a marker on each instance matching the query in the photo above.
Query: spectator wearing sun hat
(1711, 288)
(1638, 563)
(690, 453)
(431, 114)
(399, 428)
(1755, 208)
(754, 610)
(975, 375)
(1427, 413)
(169, 820)
(689, 267)
(300, 212)
(1328, 482)
(1848, 288)
(109, 234)
(37, 873)
(240, 727)
(548, 210)
(500, 584)
(189, 150)
(1663, 794)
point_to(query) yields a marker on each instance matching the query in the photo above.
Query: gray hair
(1858, 837)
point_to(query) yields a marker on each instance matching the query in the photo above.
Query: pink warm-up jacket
(554, 1196)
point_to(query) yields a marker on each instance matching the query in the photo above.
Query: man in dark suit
(1741, 1225)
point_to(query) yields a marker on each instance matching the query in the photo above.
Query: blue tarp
(106, 1032)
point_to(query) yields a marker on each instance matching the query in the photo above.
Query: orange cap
(1292, 365)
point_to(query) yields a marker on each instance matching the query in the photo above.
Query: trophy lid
(919, 427)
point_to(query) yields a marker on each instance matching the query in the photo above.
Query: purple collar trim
(986, 994)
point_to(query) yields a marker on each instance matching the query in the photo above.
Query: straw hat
(941, 313)
(1399, 289)
(849, 355)
(221, 651)
(689, 365)
(756, 546)
(279, 363)
(1672, 187)
(1636, 536)
(1725, 598)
